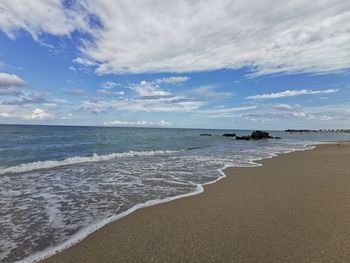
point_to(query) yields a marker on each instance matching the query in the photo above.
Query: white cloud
(280, 112)
(38, 114)
(187, 36)
(138, 123)
(184, 36)
(29, 15)
(233, 109)
(209, 92)
(149, 98)
(152, 98)
(172, 80)
(302, 116)
(5, 115)
(11, 80)
(107, 92)
(223, 112)
(10, 91)
(67, 117)
(10, 85)
(74, 92)
(107, 89)
(151, 104)
(290, 93)
(282, 107)
(108, 84)
(61, 101)
(325, 118)
(148, 89)
(331, 112)
(33, 98)
(84, 61)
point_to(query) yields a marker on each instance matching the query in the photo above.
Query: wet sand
(295, 208)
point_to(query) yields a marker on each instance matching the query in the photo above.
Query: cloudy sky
(163, 63)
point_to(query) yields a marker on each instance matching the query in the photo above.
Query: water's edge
(76, 238)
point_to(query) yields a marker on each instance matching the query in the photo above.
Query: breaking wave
(28, 167)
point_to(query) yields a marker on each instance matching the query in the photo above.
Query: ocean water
(58, 184)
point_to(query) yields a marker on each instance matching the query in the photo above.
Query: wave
(196, 148)
(28, 167)
(77, 237)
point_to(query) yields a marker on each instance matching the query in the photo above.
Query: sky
(187, 64)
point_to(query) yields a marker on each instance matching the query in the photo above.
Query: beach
(294, 208)
(174, 131)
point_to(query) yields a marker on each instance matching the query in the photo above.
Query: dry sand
(295, 208)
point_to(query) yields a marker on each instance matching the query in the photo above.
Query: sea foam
(81, 194)
(28, 167)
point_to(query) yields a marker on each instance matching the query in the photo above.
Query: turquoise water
(58, 184)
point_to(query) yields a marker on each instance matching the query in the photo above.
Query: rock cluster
(257, 135)
(229, 135)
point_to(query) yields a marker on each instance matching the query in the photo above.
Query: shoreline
(81, 235)
(151, 204)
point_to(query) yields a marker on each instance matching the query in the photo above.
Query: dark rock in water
(278, 138)
(229, 135)
(205, 134)
(258, 135)
(243, 137)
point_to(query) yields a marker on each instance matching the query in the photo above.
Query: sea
(58, 184)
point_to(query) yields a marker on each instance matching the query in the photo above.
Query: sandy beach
(294, 208)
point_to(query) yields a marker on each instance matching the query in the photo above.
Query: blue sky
(195, 64)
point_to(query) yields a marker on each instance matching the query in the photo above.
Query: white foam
(27, 167)
(89, 230)
(251, 162)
